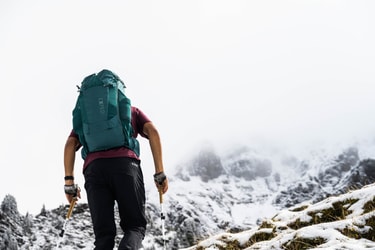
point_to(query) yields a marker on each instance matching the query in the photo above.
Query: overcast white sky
(227, 72)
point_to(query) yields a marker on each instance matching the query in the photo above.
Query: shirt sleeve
(73, 134)
(138, 121)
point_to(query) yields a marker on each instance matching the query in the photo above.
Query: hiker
(114, 174)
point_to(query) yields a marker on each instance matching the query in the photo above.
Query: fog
(285, 74)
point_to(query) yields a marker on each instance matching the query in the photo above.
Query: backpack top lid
(108, 76)
(105, 77)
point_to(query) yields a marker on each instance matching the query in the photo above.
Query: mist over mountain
(210, 194)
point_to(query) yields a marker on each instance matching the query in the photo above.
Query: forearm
(69, 158)
(155, 145)
(157, 154)
(156, 149)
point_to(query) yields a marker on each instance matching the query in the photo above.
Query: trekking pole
(72, 204)
(162, 216)
(159, 179)
(67, 217)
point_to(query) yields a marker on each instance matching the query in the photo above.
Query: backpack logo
(101, 105)
(102, 115)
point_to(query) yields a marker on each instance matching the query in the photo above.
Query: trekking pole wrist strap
(159, 178)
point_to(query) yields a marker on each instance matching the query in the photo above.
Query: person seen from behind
(115, 175)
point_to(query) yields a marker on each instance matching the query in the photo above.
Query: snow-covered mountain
(210, 195)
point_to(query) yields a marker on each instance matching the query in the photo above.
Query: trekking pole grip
(160, 195)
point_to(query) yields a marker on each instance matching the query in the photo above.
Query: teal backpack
(102, 115)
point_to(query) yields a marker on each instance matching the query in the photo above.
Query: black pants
(116, 179)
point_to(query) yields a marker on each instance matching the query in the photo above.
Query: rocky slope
(338, 222)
